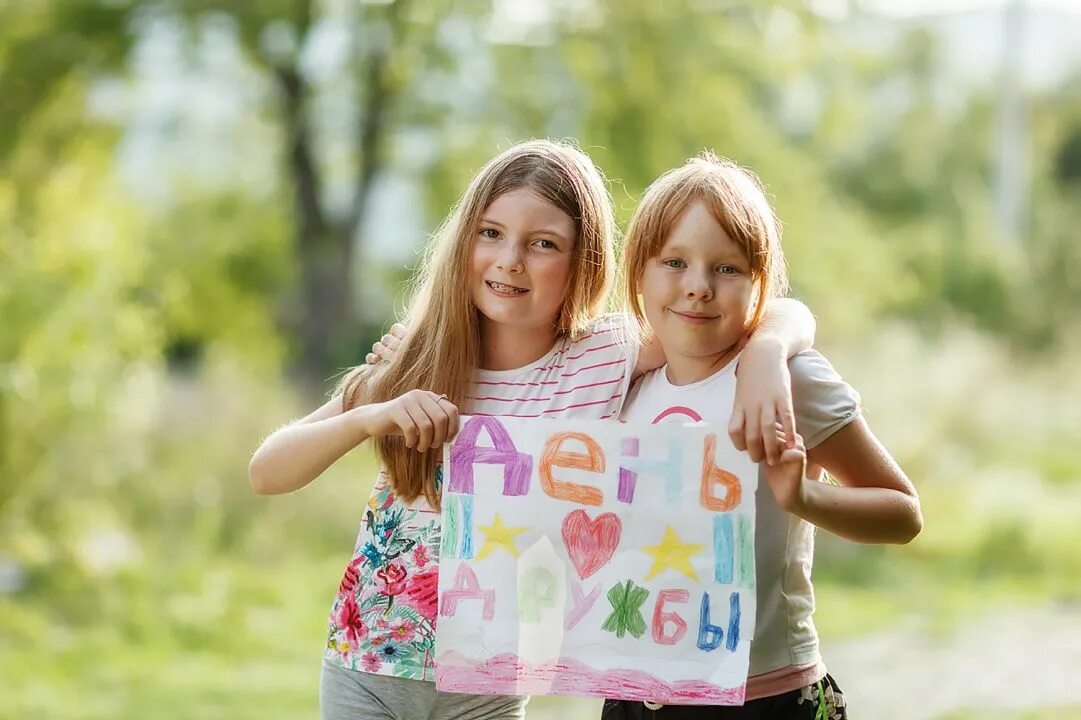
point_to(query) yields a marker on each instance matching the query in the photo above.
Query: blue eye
(490, 233)
(675, 263)
(728, 270)
(545, 244)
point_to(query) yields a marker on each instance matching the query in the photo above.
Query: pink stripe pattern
(557, 392)
(586, 378)
(568, 408)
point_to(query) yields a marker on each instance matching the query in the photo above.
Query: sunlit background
(208, 209)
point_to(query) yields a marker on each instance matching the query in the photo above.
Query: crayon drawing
(596, 558)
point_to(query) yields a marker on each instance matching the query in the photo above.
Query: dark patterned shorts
(821, 701)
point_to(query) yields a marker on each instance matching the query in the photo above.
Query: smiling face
(697, 293)
(521, 266)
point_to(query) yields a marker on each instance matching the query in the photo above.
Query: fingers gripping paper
(596, 558)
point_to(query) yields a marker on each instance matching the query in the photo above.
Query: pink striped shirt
(584, 378)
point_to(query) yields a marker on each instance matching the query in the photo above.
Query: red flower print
(423, 595)
(420, 555)
(371, 662)
(347, 618)
(350, 578)
(392, 579)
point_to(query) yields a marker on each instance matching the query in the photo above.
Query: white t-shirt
(785, 635)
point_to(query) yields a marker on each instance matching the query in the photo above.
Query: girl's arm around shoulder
(295, 455)
(763, 385)
(875, 501)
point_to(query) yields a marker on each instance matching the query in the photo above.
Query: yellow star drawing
(673, 553)
(499, 536)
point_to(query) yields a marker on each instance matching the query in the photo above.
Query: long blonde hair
(734, 197)
(442, 351)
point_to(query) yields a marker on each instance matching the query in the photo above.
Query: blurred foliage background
(208, 209)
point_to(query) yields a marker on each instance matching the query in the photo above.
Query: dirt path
(1013, 660)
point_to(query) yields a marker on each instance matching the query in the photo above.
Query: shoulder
(649, 383)
(809, 366)
(614, 324)
(612, 332)
(811, 369)
(822, 400)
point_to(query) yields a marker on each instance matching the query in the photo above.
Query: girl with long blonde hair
(506, 319)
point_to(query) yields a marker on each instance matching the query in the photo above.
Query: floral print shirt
(383, 618)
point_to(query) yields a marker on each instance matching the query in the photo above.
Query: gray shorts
(355, 695)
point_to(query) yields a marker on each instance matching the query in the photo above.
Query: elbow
(809, 325)
(804, 321)
(259, 477)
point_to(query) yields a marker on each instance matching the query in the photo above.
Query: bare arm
(788, 324)
(763, 384)
(876, 502)
(295, 455)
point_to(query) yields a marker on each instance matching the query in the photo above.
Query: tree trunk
(325, 321)
(324, 253)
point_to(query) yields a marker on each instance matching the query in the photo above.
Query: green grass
(251, 652)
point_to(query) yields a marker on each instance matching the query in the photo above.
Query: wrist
(799, 502)
(360, 422)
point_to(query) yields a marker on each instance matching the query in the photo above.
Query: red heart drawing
(590, 543)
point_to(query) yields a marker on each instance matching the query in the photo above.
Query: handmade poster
(596, 558)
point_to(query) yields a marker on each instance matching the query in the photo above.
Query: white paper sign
(596, 558)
